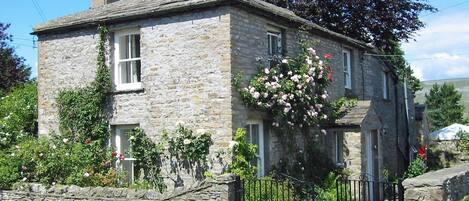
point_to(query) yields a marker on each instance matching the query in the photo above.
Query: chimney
(98, 3)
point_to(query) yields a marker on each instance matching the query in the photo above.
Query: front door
(255, 135)
(372, 159)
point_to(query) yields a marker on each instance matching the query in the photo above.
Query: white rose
(187, 141)
(24, 179)
(285, 61)
(266, 71)
(65, 140)
(290, 73)
(256, 95)
(86, 174)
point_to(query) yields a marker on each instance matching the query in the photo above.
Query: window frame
(347, 69)
(117, 70)
(385, 88)
(118, 133)
(261, 156)
(273, 31)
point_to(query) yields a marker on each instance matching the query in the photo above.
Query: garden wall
(220, 189)
(450, 184)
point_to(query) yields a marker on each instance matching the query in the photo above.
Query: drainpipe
(406, 102)
(396, 112)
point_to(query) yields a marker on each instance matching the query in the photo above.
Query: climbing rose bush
(293, 90)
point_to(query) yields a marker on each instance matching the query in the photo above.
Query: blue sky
(441, 50)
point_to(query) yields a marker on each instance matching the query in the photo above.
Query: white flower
(309, 61)
(324, 117)
(290, 73)
(132, 138)
(320, 62)
(265, 94)
(54, 147)
(65, 140)
(86, 174)
(12, 154)
(67, 154)
(24, 178)
(256, 95)
(281, 75)
(18, 147)
(259, 103)
(251, 89)
(287, 109)
(187, 141)
(41, 154)
(200, 131)
(266, 71)
(285, 61)
(284, 97)
(311, 51)
(324, 96)
(232, 144)
(53, 183)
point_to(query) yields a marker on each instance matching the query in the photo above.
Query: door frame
(261, 156)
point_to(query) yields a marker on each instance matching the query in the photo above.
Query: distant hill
(462, 85)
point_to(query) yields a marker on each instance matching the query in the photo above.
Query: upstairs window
(127, 67)
(385, 85)
(347, 69)
(121, 145)
(274, 41)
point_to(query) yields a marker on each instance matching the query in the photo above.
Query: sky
(440, 50)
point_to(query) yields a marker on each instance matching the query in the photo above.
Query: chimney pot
(98, 3)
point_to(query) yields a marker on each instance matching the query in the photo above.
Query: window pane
(127, 167)
(255, 136)
(269, 44)
(248, 134)
(124, 47)
(125, 72)
(125, 144)
(135, 42)
(345, 62)
(136, 71)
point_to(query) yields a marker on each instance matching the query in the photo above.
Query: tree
(13, 70)
(444, 106)
(380, 22)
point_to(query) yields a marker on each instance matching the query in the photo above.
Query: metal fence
(365, 190)
(260, 189)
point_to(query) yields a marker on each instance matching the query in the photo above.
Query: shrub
(463, 142)
(18, 115)
(243, 154)
(416, 168)
(328, 191)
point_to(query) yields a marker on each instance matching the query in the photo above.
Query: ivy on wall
(81, 111)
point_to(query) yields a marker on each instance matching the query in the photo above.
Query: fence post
(237, 188)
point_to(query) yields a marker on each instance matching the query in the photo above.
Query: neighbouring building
(173, 61)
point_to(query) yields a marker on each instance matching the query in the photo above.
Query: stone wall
(221, 189)
(450, 184)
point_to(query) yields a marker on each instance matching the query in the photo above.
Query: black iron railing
(366, 190)
(260, 189)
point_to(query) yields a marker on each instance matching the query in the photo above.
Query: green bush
(267, 188)
(18, 115)
(50, 161)
(416, 168)
(328, 191)
(243, 154)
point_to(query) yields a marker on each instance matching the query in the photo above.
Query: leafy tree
(13, 70)
(18, 114)
(444, 106)
(380, 22)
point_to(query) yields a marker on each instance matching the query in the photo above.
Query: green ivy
(148, 160)
(416, 168)
(243, 154)
(81, 111)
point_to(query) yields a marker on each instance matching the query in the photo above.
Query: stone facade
(221, 189)
(450, 184)
(188, 61)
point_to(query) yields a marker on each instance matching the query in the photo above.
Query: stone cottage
(173, 61)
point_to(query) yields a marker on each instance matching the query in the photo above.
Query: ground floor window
(255, 135)
(339, 148)
(120, 143)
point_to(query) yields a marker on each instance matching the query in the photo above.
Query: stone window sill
(128, 91)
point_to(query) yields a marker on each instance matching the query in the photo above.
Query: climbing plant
(81, 111)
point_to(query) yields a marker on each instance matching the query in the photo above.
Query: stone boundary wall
(220, 189)
(449, 184)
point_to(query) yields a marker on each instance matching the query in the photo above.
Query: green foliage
(416, 168)
(185, 146)
(243, 154)
(18, 115)
(267, 188)
(13, 70)
(328, 190)
(444, 106)
(293, 91)
(463, 142)
(402, 67)
(51, 161)
(148, 160)
(81, 111)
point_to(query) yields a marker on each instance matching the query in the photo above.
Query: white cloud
(440, 50)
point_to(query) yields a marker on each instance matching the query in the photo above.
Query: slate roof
(124, 10)
(356, 116)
